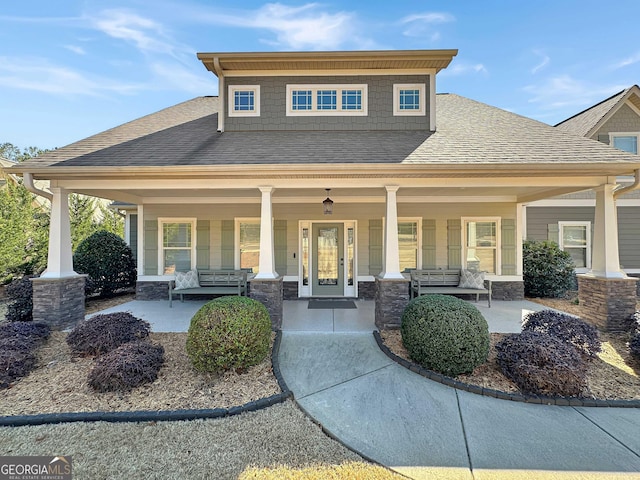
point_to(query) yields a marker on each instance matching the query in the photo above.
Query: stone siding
(290, 290)
(152, 290)
(59, 302)
(392, 296)
(507, 291)
(608, 303)
(271, 294)
(366, 290)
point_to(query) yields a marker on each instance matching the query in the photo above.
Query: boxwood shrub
(20, 292)
(541, 364)
(548, 271)
(105, 332)
(634, 341)
(567, 328)
(229, 333)
(445, 334)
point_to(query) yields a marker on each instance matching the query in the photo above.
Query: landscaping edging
(160, 415)
(488, 392)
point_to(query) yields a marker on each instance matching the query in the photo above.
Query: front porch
(502, 317)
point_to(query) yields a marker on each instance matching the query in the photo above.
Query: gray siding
(624, 120)
(539, 218)
(380, 105)
(133, 235)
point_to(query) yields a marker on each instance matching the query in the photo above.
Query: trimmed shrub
(108, 261)
(37, 331)
(569, 329)
(548, 271)
(445, 334)
(21, 307)
(634, 342)
(105, 332)
(540, 364)
(229, 333)
(128, 366)
(14, 363)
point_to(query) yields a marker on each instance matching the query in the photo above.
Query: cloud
(75, 49)
(562, 91)
(544, 61)
(635, 58)
(422, 24)
(461, 68)
(147, 35)
(299, 28)
(37, 74)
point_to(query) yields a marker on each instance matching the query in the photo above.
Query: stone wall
(507, 290)
(608, 303)
(152, 290)
(392, 296)
(290, 290)
(59, 302)
(366, 290)
(270, 293)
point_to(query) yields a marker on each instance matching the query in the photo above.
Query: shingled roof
(588, 121)
(469, 133)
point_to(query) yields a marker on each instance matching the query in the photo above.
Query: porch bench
(443, 282)
(213, 282)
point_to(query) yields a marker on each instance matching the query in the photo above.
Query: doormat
(331, 304)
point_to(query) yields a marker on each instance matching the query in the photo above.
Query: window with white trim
(409, 243)
(627, 142)
(244, 100)
(326, 100)
(575, 238)
(409, 99)
(481, 244)
(248, 244)
(177, 245)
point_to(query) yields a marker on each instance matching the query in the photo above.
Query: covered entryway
(327, 257)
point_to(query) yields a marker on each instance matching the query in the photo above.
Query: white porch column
(60, 260)
(391, 246)
(605, 261)
(266, 265)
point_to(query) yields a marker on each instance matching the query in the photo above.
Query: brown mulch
(614, 375)
(60, 384)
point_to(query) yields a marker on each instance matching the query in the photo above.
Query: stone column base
(59, 302)
(392, 296)
(608, 303)
(269, 292)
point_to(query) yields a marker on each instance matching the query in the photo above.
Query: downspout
(629, 188)
(27, 180)
(221, 92)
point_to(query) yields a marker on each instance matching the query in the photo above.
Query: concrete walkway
(426, 430)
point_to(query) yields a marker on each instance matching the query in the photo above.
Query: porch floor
(503, 316)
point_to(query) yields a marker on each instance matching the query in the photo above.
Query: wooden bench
(444, 282)
(223, 282)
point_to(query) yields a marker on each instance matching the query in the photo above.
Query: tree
(111, 220)
(82, 216)
(11, 152)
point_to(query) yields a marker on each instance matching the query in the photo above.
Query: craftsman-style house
(328, 174)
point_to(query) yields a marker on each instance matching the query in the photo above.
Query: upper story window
(326, 100)
(627, 142)
(409, 99)
(244, 100)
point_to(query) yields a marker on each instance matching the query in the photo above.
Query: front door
(328, 259)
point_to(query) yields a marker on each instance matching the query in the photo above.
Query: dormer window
(326, 100)
(244, 100)
(409, 99)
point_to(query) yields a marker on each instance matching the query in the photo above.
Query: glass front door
(328, 259)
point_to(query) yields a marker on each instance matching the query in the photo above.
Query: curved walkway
(428, 430)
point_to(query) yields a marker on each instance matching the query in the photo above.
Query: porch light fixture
(327, 205)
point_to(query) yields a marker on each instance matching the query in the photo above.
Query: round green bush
(108, 261)
(445, 334)
(548, 272)
(229, 333)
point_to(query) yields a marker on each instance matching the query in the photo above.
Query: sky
(73, 68)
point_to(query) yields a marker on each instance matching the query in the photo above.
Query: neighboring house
(568, 219)
(413, 179)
